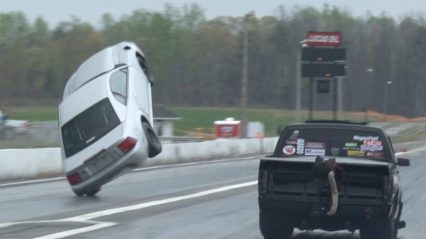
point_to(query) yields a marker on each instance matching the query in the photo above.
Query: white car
(106, 119)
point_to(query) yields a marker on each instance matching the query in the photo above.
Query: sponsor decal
(294, 134)
(375, 154)
(351, 145)
(315, 152)
(362, 138)
(372, 142)
(226, 129)
(315, 145)
(372, 147)
(289, 150)
(300, 146)
(291, 141)
(356, 153)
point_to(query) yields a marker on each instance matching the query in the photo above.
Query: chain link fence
(33, 135)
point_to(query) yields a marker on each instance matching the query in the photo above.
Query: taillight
(74, 178)
(263, 181)
(127, 144)
(388, 184)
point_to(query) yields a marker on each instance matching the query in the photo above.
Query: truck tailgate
(358, 181)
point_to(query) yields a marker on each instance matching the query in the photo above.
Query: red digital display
(324, 39)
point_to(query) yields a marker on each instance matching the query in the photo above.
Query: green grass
(203, 118)
(195, 118)
(22, 141)
(273, 119)
(31, 113)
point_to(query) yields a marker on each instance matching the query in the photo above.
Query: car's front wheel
(89, 193)
(78, 193)
(93, 192)
(154, 144)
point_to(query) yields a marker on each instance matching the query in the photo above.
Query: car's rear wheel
(398, 219)
(154, 144)
(273, 226)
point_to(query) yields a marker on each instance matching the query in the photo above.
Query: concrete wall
(29, 163)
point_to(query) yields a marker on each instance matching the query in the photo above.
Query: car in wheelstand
(106, 119)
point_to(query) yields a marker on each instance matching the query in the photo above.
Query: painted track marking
(88, 218)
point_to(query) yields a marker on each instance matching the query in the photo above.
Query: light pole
(244, 73)
(385, 99)
(298, 84)
(370, 72)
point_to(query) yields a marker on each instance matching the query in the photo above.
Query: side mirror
(403, 162)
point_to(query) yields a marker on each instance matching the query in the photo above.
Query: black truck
(331, 176)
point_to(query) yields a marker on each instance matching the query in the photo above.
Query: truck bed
(359, 181)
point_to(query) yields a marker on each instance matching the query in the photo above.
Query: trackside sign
(324, 39)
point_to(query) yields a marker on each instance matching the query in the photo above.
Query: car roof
(103, 61)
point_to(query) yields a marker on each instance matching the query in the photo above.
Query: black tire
(93, 192)
(78, 194)
(398, 218)
(379, 229)
(154, 144)
(273, 226)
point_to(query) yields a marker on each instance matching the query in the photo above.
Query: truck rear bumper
(312, 214)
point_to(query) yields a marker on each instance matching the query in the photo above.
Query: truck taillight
(74, 178)
(388, 184)
(127, 144)
(263, 181)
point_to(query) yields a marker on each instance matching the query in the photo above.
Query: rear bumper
(132, 160)
(311, 214)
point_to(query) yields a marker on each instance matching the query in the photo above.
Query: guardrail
(40, 162)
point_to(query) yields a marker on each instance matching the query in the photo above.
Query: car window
(144, 67)
(89, 126)
(333, 142)
(118, 85)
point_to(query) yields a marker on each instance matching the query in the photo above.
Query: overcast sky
(55, 11)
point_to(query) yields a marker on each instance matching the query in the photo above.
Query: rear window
(88, 127)
(332, 142)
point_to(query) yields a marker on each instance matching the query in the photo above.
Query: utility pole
(298, 102)
(244, 74)
(385, 99)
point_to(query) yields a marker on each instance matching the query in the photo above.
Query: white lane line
(95, 226)
(87, 218)
(193, 163)
(77, 231)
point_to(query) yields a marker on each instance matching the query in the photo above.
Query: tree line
(198, 62)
